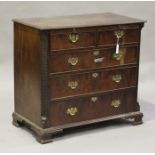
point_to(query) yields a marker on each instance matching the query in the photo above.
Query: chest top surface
(87, 20)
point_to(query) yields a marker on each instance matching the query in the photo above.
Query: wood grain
(87, 20)
(58, 62)
(27, 72)
(87, 110)
(108, 37)
(87, 83)
(42, 72)
(60, 40)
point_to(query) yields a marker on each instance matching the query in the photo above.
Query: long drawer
(95, 81)
(92, 59)
(92, 107)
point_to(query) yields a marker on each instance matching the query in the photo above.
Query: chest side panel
(27, 72)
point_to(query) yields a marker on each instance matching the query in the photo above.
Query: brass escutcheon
(72, 111)
(73, 60)
(96, 53)
(95, 75)
(94, 99)
(115, 103)
(117, 78)
(73, 37)
(72, 84)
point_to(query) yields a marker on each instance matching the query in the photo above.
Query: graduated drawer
(92, 59)
(67, 39)
(88, 82)
(92, 107)
(126, 36)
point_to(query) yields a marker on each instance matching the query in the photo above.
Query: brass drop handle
(95, 75)
(73, 60)
(94, 99)
(115, 103)
(117, 78)
(72, 111)
(118, 35)
(73, 37)
(117, 56)
(72, 84)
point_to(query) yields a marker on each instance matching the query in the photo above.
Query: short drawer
(92, 59)
(82, 83)
(62, 40)
(127, 36)
(92, 107)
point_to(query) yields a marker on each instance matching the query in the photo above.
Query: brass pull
(117, 56)
(72, 84)
(73, 37)
(117, 78)
(94, 99)
(119, 35)
(72, 111)
(96, 53)
(115, 103)
(95, 75)
(73, 61)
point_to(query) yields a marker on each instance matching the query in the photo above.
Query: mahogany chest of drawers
(75, 70)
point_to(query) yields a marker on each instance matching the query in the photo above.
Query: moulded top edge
(77, 21)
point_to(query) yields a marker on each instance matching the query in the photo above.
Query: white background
(109, 138)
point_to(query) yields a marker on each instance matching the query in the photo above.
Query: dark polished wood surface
(87, 109)
(58, 61)
(100, 36)
(27, 72)
(72, 21)
(87, 83)
(68, 76)
(108, 37)
(60, 40)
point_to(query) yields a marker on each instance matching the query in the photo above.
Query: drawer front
(109, 37)
(83, 60)
(77, 84)
(70, 40)
(96, 106)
